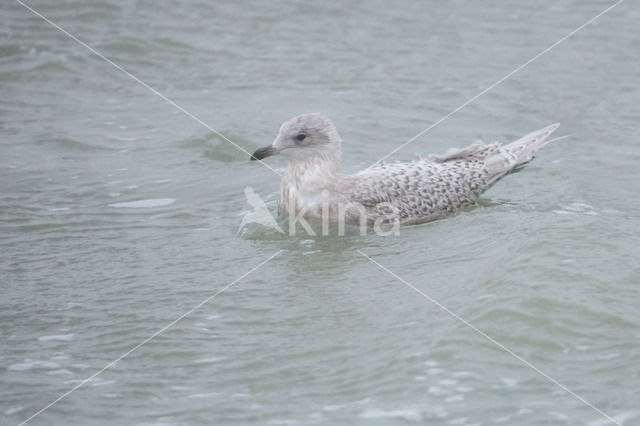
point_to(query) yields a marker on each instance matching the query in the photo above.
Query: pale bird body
(414, 192)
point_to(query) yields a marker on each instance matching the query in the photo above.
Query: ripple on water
(578, 208)
(153, 202)
(407, 414)
(30, 364)
(57, 337)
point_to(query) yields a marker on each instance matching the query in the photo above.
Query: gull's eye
(300, 137)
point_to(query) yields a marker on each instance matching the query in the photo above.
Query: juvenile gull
(412, 192)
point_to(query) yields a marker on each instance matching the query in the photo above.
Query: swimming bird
(410, 192)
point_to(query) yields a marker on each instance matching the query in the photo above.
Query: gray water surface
(547, 265)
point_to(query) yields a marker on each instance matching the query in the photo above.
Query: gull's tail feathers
(512, 157)
(526, 146)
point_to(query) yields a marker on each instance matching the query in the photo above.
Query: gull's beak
(264, 152)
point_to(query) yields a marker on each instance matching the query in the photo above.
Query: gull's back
(429, 188)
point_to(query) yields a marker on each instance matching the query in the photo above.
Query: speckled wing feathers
(428, 188)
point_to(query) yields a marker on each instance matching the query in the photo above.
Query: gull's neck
(312, 173)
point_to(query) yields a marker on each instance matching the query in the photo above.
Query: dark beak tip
(262, 153)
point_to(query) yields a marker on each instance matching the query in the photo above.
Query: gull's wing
(432, 186)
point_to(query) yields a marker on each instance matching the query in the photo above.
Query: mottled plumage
(412, 192)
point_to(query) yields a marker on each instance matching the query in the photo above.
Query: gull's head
(302, 137)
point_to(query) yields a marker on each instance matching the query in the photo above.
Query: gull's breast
(310, 203)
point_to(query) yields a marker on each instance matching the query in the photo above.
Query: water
(119, 213)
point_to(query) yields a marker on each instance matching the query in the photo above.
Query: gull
(410, 192)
